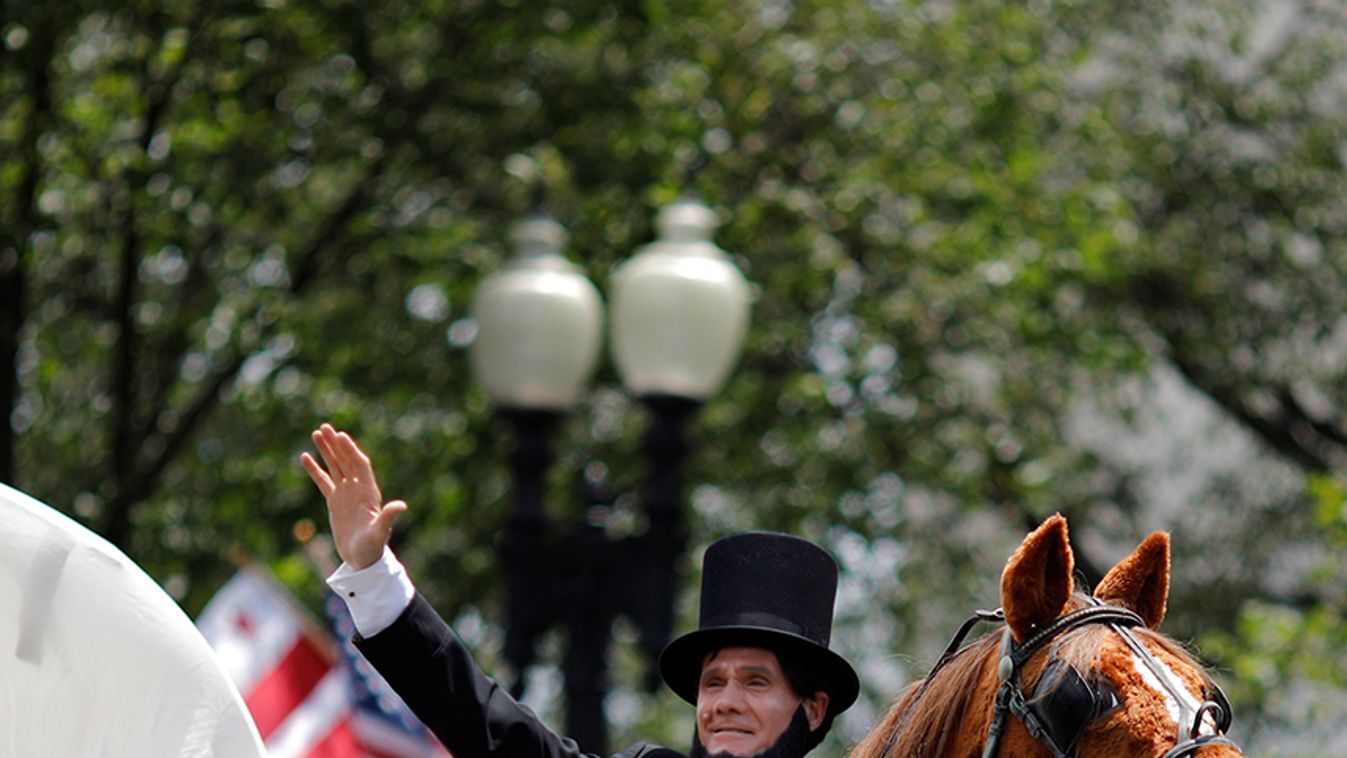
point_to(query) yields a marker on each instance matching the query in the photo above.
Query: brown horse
(1068, 674)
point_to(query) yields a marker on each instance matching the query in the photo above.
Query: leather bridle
(1011, 700)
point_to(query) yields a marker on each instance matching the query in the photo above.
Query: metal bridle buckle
(1196, 739)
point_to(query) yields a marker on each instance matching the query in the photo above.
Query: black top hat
(772, 591)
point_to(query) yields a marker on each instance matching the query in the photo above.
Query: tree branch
(304, 273)
(14, 242)
(1278, 434)
(128, 421)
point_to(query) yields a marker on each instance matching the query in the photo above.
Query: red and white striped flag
(310, 694)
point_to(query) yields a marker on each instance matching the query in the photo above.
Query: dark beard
(793, 743)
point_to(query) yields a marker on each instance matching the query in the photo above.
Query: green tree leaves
(988, 240)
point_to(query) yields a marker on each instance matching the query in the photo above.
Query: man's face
(745, 702)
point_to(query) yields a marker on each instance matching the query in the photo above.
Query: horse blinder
(1065, 703)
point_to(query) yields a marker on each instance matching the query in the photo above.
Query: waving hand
(361, 521)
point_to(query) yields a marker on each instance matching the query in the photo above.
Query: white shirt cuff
(376, 595)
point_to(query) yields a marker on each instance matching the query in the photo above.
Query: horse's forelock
(1081, 648)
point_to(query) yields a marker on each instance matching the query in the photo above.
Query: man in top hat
(757, 668)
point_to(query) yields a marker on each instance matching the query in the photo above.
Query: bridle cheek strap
(1189, 744)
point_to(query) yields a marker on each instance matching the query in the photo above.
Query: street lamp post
(679, 315)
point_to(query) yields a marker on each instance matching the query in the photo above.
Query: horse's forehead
(1148, 720)
(1120, 664)
(1159, 696)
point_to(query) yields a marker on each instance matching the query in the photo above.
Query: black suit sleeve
(428, 665)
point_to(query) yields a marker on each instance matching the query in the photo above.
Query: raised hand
(361, 521)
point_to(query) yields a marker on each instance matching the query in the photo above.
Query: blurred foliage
(1010, 259)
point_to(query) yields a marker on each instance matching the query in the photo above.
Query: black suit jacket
(428, 665)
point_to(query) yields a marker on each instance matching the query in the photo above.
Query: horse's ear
(1036, 583)
(1140, 582)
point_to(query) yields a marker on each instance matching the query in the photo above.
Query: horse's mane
(931, 713)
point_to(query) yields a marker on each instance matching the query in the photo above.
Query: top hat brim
(681, 662)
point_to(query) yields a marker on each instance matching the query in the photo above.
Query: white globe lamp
(539, 324)
(679, 310)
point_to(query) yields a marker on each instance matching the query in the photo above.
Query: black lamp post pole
(650, 592)
(581, 580)
(525, 537)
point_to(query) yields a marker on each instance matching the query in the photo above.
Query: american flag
(310, 692)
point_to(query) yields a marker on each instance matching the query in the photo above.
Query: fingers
(317, 474)
(354, 462)
(324, 438)
(388, 515)
(344, 458)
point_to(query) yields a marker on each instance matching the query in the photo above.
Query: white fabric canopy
(96, 660)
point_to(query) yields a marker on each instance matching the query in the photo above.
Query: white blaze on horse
(1069, 673)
